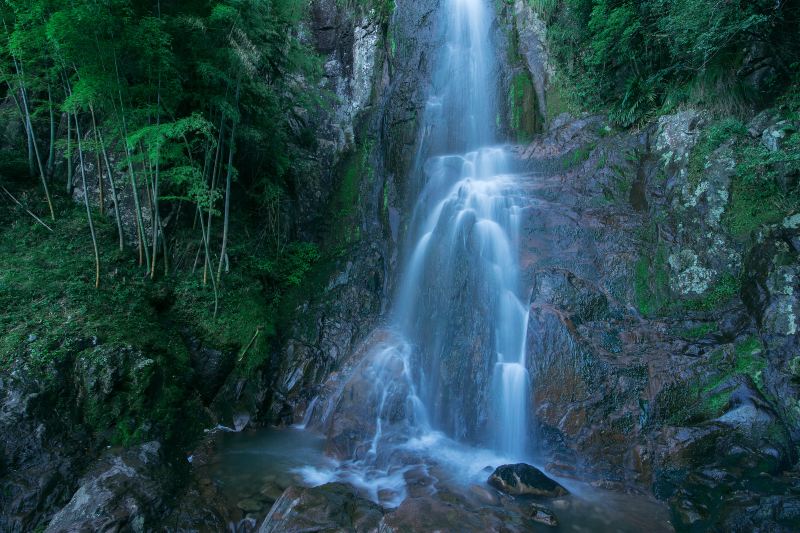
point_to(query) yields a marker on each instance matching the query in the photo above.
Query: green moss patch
(651, 282)
(705, 397)
(523, 108)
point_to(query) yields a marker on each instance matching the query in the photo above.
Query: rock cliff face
(379, 99)
(652, 364)
(349, 200)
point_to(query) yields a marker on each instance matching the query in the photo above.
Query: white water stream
(449, 379)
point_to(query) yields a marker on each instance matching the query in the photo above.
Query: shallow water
(255, 466)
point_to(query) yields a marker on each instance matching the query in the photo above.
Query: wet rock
(485, 496)
(543, 515)
(211, 367)
(448, 512)
(43, 449)
(419, 482)
(701, 252)
(122, 492)
(532, 38)
(759, 69)
(249, 505)
(523, 479)
(353, 407)
(331, 507)
(271, 491)
(774, 136)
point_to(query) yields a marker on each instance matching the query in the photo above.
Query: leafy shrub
(635, 58)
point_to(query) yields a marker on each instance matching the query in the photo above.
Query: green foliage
(636, 58)
(292, 264)
(170, 79)
(50, 311)
(651, 282)
(752, 205)
(749, 359)
(577, 156)
(764, 187)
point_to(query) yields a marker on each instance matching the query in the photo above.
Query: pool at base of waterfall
(250, 471)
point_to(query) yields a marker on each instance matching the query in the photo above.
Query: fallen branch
(249, 344)
(39, 220)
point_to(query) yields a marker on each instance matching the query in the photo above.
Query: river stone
(543, 515)
(521, 479)
(123, 491)
(484, 495)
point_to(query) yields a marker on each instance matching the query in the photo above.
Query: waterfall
(451, 365)
(463, 249)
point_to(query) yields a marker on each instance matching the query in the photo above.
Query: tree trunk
(86, 203)
(111, 182)
(69, 156)
(31, 156)
(51, 156)
(208, 261)
(214, 174)
(32, 139)
(229, 178)
(98, 167)
(140, 233)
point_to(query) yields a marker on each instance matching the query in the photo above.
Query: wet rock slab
(121, 493)
(523, 479)
(330, 507)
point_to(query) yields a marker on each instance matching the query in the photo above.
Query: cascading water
(453, 361)
(462, 275)
(431, 400)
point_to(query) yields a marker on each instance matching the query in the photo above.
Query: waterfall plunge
(466, 217)
(451, 368)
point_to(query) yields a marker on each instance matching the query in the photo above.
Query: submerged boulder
(331, 507)
(523, 479)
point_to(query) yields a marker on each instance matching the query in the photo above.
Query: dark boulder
(523, 479)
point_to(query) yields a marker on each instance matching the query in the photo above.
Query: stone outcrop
(645, 371)
(123, 492)
(52, 421)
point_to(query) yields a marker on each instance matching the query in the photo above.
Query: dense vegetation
(194, 115)
(182, 99)
(639, 58)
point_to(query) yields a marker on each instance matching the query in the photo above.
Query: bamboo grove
(171, 102)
